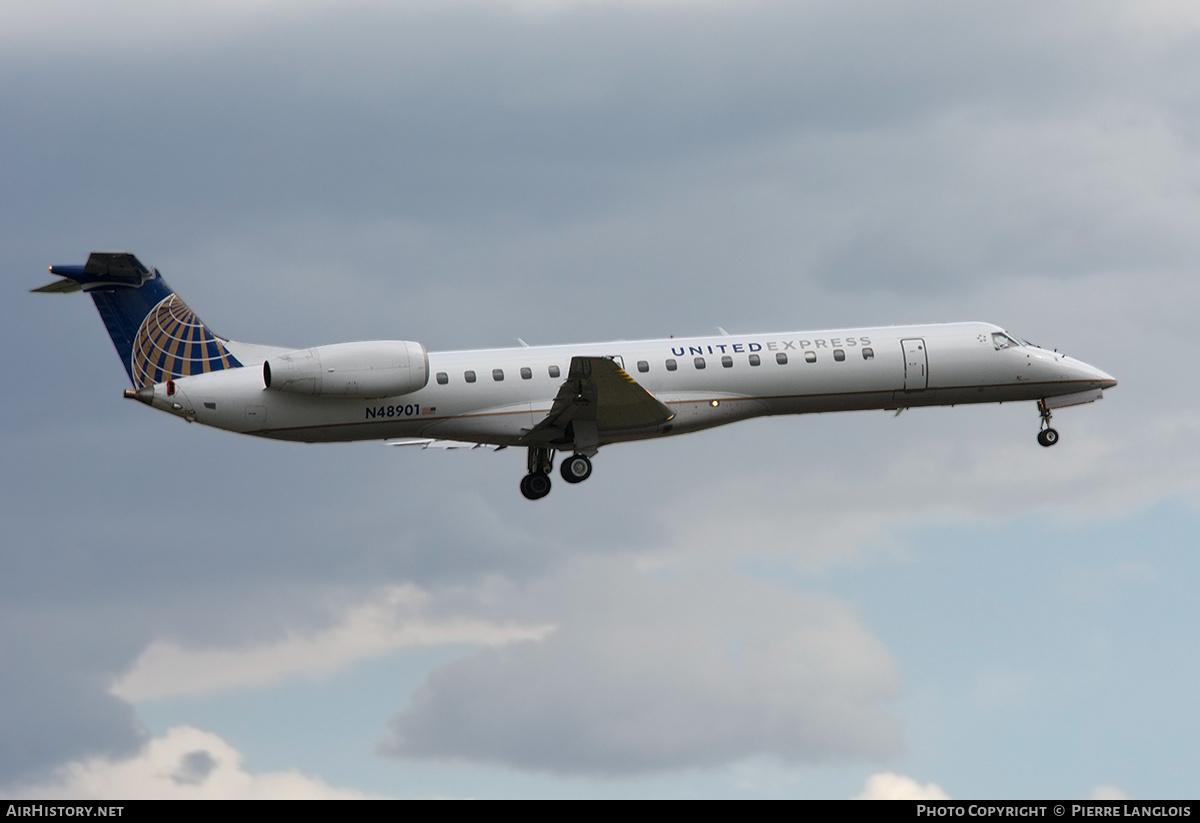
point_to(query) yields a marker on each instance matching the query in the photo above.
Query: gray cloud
(54, 671)
(467, 175)
(194, 767)
(663, 671)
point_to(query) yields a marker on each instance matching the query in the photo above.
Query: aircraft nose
(1106, 380)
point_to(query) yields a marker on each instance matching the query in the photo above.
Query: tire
(1048, 437)
(576, 469)
(535, 486)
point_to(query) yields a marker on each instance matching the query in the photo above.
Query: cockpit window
(1003, 341)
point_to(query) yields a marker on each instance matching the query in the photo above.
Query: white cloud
(891, 786)
(654, 672)
(184, 764)
(392, 621)
(1107, 791)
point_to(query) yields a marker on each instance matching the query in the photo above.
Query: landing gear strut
(536, 484)
(1047, 436)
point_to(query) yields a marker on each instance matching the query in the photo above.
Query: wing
(434, 443)
(598, 396)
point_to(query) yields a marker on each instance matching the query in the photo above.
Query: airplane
(572, 398)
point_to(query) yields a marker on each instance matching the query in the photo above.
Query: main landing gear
(1047, 436)
(576, 468)
(536, 484)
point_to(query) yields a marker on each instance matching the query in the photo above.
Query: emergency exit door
(916, 364)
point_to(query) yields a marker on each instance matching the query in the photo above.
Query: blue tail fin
(156, 335)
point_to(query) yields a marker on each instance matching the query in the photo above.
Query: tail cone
(143, 395)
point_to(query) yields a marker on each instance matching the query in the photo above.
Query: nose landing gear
(1047, 436)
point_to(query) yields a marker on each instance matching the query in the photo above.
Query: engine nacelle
(375, 368)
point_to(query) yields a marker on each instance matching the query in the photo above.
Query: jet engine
(375, 368)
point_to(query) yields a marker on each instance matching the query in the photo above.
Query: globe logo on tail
(172, 342)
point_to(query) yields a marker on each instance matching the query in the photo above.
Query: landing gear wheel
(535, 486)
(1048, 437)
(576, 469)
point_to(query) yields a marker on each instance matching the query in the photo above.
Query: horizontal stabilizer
(59, 287)
(104, 270)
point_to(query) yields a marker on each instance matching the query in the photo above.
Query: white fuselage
(713, 381)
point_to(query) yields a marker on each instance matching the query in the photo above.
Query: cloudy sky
(833, 606)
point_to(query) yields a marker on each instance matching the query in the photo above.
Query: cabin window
(868, 353)
(755, 360)
(526, 373)
(672, 365)
(727, 362)
(643, 366)
(497, 374)
(443, 378)
(554, 371)
(810, 357)
(781, 359)
(699, 361)
(469, 376)
(839, 355)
